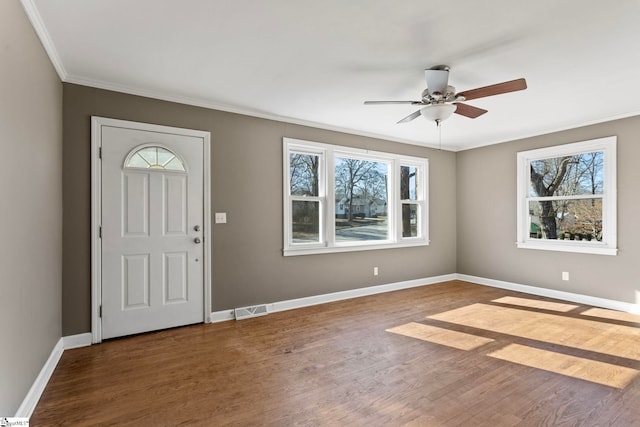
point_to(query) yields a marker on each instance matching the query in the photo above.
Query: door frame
(96, 211)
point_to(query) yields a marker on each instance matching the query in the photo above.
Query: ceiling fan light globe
(438, 112)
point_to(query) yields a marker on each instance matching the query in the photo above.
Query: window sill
(353, 248)
(569, 247)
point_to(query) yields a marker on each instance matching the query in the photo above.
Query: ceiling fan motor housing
(448, 96)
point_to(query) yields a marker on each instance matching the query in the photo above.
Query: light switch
(221, 217)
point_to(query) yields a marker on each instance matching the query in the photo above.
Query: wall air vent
(252, 311)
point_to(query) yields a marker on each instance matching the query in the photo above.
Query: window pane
(360, 230)
(306, 222)
(174, 164)
(408, 183)
(568, 175)
(361, 200)
(137, 161)
(164, 156)
(150, 155)
(154, 158)
(578, 219)
(304, 174)
(410, 220)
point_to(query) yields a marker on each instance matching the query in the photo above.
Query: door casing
(96, 211)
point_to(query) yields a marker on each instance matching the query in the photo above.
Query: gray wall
(486, 194)
(31, 210)
(246, 163)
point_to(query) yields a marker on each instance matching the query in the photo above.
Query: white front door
(152, 230)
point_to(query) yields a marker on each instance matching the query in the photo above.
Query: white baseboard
(221, 316)
(75, 341)
(355, 293)
(33, 396)
(37, 388)
(224, 315)
(551, 293)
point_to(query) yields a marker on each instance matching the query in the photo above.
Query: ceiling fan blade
(468, 110)
(497, 89)
(437, 79)
(410, 117)
(391, 102)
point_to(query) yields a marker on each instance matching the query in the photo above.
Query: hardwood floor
(451, 354)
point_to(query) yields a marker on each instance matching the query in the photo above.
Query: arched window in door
(154, 157)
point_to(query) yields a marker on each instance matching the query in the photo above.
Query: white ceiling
(315, 62)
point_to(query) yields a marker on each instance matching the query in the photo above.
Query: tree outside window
(361, 195)
(565, 180)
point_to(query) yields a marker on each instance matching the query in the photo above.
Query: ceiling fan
(440, 101)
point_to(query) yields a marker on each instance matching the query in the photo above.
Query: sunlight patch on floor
(612, 314)
(534, 303)
(572, 366)
(446, 337)
(584, 334)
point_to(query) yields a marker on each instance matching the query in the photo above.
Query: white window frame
(608, 245)
(326, 189)
(421, 202)
(321, 198)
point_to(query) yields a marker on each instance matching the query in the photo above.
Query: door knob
(197, 240)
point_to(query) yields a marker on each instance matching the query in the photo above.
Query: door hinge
(100, 232)
(100, 152)
(100, 311)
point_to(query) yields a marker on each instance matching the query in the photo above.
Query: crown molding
(36, 21)
(197, 102)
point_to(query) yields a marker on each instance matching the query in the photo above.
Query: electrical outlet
(375, 271)
(221, 217)
(565, 275)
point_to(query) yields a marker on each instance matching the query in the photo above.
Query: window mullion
(330, 208)
(393, 209)
(576, 197)
(305, 198)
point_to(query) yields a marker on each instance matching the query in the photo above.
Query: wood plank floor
(450, 354)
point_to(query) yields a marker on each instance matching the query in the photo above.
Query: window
(360, 188)
(340, 199)
(305, 195)
(411, 205)
(153, 157)
(567, 197)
